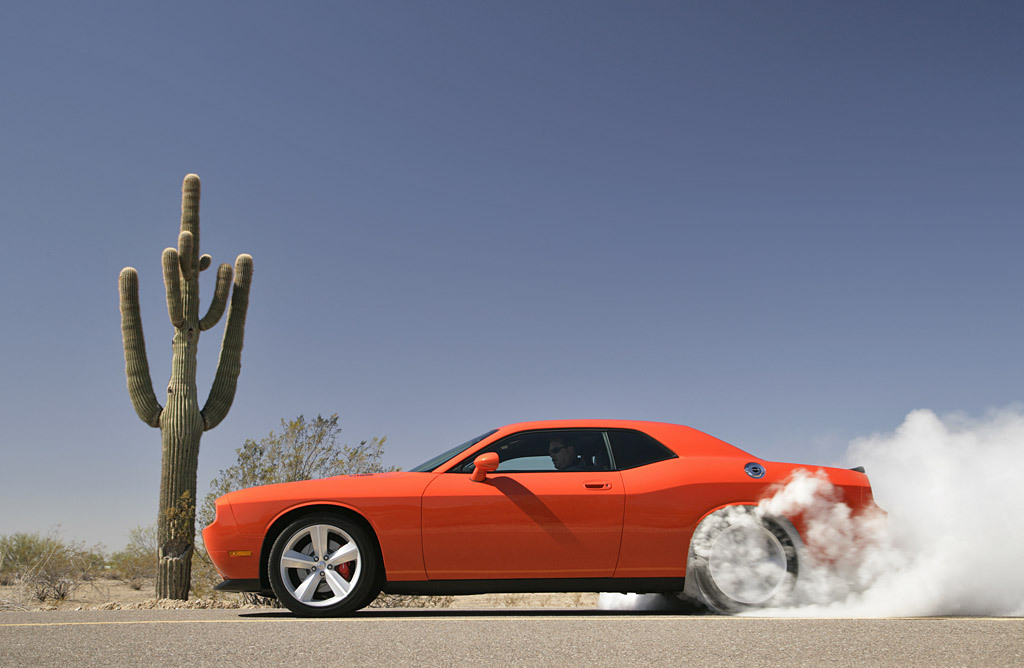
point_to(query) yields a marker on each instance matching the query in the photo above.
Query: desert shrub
(204, 574)
(136, 563)
(250, 598)
(512, 600)
(6, 561)
(46, 567)
(304, 450)
(92, 561)
(406, 601)
(20, 552)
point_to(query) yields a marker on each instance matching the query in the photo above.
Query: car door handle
(597, 485)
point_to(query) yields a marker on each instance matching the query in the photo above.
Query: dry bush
(304, 450)
(47, 568)
(260, 601)
(405, 601)
(5, 579)
(136, 564)
(204, 575)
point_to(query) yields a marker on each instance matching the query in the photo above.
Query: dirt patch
(104, 594)
(90, 595)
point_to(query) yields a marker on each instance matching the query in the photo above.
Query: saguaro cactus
(181, 421)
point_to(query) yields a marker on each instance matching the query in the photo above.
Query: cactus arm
(220, 298)
(175, 309)
(230, 363)
(204, 262)
(186, 253)
(136, 365)
(190, 214)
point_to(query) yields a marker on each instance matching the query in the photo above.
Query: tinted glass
(549, 450)
(633, 449)
(436, 461)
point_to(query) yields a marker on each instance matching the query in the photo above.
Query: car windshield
(434, 462)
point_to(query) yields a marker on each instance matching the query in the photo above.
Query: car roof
(589, 423)
(679, 438)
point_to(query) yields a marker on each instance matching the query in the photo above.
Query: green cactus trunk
(181, 421)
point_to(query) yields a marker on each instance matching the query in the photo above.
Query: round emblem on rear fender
(754, 470)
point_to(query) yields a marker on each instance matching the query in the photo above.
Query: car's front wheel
(324, 565)
(740, 560)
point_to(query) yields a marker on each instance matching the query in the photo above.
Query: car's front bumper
(236, 555)
(245, 586)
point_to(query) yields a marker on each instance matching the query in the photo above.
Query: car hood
(395, 483)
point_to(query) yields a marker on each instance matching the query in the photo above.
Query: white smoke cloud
(952, 542)
(844, 554)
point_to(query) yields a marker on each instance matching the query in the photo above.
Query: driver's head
(562, 455)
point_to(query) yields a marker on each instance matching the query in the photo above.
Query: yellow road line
(258, 620)
(489, 618)
(138, 621)
(458, 618)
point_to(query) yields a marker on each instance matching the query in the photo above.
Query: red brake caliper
(346, 570)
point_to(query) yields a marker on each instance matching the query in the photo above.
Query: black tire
(740, 561)
(337, 583)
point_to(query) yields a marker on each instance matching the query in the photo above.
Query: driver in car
(563, 455)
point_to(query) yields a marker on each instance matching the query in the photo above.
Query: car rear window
(633, 449)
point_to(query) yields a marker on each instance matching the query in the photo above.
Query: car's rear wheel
(740, 560)
(324, 565)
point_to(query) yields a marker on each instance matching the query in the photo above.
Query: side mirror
(484, 464)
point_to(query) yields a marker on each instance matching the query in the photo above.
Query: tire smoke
(950, 542)
(953, 541)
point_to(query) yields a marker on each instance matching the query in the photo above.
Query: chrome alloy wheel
(740, 559)
(320, 565)
(748, 563)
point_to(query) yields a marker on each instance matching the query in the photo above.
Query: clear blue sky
(785, 223)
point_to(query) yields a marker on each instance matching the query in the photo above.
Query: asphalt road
(394, 638)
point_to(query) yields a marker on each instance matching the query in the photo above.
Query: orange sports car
(567, 506)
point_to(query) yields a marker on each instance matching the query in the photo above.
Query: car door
(528, 519)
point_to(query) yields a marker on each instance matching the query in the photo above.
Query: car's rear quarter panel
(667, 500)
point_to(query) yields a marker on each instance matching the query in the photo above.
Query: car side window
(551, 450)
(633, 448)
